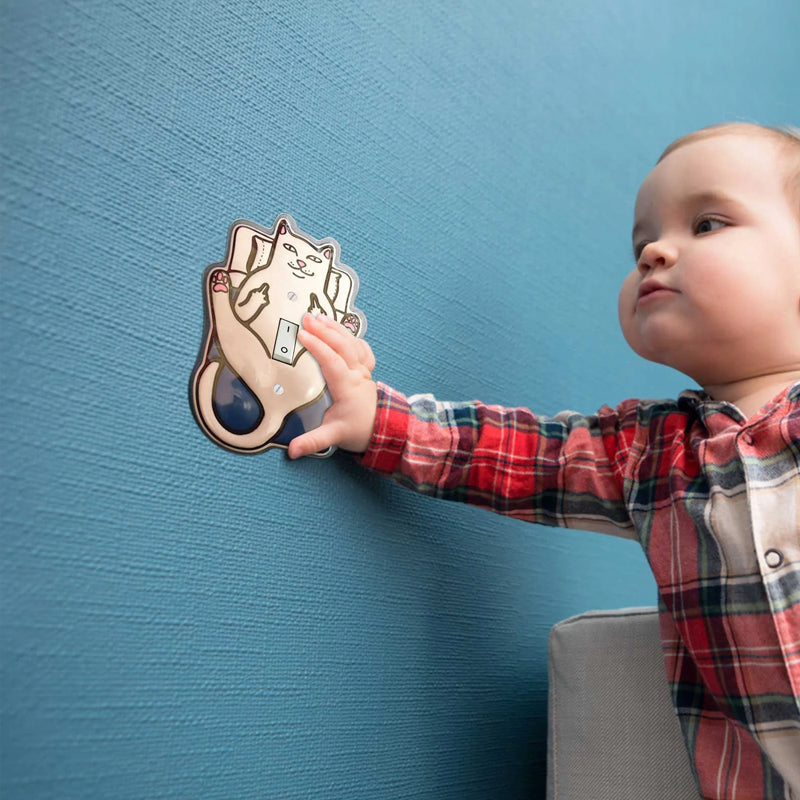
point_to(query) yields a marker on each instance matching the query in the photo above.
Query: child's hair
(786, 137)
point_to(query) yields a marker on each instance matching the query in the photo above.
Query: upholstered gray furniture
(613, 733)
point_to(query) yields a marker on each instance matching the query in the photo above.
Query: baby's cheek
(626, 307)
(627, 295)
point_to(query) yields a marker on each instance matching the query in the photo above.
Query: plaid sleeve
(566, 470)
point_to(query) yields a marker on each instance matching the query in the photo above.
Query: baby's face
(716, 288)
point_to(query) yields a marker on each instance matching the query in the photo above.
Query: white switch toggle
(285, 341)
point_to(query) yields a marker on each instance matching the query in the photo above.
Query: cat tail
(251, 442)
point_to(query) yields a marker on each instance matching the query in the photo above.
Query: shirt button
(774, 558)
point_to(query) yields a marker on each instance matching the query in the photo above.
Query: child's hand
(347, 364)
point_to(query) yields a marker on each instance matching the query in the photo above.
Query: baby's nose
(300, 262)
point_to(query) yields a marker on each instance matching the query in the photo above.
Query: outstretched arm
(346, 363)
(567, 470)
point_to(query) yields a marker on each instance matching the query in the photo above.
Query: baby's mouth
(653, 289)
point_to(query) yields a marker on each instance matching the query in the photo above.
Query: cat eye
(314, 258)
(290, 247)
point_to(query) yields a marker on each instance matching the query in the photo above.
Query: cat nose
(300, 263)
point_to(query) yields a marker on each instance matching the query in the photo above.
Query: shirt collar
(697, 401)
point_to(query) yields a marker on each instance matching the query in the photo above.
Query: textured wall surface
(182, 622)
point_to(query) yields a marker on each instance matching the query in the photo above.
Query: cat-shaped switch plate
(254, 385)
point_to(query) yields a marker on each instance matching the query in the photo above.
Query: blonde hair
(786, 137)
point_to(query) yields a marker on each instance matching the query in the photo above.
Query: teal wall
(181, 622)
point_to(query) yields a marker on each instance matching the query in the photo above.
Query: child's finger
(336, 337)
(331, 333)
(333, 366)
(367, 357)
(353, 344)
(313, 442)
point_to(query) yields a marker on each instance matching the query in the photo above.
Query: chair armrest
(613, 734)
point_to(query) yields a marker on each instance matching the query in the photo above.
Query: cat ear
(327, 251)
(281, 226)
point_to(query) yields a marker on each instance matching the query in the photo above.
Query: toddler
(709, 484)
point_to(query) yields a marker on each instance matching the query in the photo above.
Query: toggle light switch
(285, 341)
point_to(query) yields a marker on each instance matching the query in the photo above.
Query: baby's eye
(707, 225)
(290, 247)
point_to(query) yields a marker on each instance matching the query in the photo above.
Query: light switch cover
(254, 386)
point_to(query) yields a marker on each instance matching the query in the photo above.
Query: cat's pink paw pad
(352, 323)
(219, 281)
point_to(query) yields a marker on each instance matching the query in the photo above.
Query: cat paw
(352, 323)
(219, 281)
(315, 309)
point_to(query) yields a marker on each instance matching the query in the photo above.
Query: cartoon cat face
(297, 256)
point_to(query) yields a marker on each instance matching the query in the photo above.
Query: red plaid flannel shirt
(713, 499)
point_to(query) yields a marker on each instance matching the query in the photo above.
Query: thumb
(312, 442)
